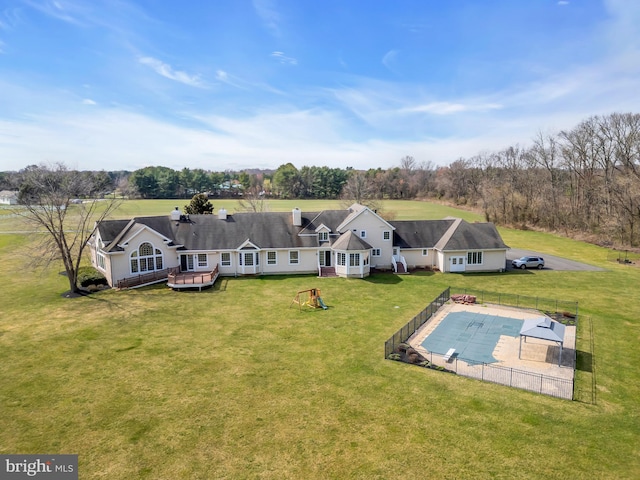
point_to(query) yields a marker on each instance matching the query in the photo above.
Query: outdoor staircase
(400, 268)
(328, 272)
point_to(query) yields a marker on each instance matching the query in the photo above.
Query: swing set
(313, 300)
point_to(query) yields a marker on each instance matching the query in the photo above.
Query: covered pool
(473, 335)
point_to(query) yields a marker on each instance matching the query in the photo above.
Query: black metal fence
(415, 323)
(563, 311)
(512, 377)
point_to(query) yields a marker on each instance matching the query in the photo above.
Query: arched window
(146, 259)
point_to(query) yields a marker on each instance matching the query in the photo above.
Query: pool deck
(538, 356)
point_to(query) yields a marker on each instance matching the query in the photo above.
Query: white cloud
(67, 11)
(167, 71)
(284, 59)
(563, 2)
(88, 101)
(389, 59)
(447, 108)
(270, 16)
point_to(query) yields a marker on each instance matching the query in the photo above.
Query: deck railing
(146, 278)
(192, 278)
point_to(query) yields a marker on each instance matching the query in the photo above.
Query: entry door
(186, 263)
(325, 258)
(456, 264)
(249, 262)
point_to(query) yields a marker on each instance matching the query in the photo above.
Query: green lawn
(232, 383)
(401, 210)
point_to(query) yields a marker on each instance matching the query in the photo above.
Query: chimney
(297, 217)
(222, 214)
(175, 215)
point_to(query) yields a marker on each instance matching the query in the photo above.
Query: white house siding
(440, 261)
(415, 259)
(107, 271)
(120, 265)
(374, 228)
(8, 198)
(360, 271)
(492, 261)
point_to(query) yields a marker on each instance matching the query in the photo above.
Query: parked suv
(528, 262)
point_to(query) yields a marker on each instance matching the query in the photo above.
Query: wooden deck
(174, 278)
(146, 278)
(192, 279)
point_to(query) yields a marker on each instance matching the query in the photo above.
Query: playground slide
(321, 303)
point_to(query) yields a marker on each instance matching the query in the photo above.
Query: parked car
(528, 262)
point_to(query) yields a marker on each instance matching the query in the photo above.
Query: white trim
(142, 227)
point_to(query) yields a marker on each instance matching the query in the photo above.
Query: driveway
(551, 262)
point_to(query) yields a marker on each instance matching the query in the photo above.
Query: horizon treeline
(583, 180)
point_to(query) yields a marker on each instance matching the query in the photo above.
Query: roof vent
(175, 215)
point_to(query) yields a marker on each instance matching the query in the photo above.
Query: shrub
(90, 276)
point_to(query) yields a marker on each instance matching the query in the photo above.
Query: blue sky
(234, 84)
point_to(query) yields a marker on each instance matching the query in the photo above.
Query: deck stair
(328, 272)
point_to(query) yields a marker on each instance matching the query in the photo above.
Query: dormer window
(323, 236)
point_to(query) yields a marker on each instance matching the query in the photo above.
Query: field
(232, 383)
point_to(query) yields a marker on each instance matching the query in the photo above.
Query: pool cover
(473, 335)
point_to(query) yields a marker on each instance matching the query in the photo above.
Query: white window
(363, 234)
(101, 261)
(146, 259)
(202, 260)
(225, 259)
(294, 257)
(323, 236)
(248, 259)
(376, 252)
(425, 252)
(354, 259)
(386, 235)
(474, 258)
(342, 259)
(272, 258)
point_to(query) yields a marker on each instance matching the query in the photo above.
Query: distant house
(345, 243)
(8, 197)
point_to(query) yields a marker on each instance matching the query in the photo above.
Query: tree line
(585, 180)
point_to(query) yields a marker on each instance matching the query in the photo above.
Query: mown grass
(399, 209)
(233, 383)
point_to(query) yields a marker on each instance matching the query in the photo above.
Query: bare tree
(63, 203)
(253, 200)
(360, 189)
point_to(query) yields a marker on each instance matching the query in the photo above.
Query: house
(345, 243)
(8, 197)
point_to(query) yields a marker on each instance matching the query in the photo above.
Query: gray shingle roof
(276, 230)
(419, 233)
(463, 235)
(350, 241)
(329, 218)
